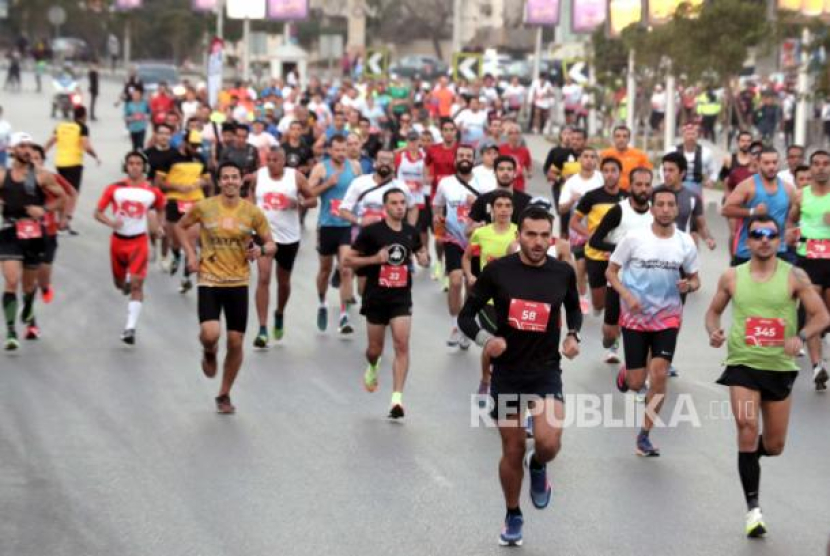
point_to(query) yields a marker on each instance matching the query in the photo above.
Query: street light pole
(246, 49)
(456, 25)
(630, 95)
(802, 86)
(220, 19)
(671, 112)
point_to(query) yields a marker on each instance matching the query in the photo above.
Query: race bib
(529, 316)
(476, 249)
(414, 186)
(228, 223)
(335, 207)
(276, 201)
(184, 206)
(462, 213)
(28, 229)
(818, 248)
(372, 215)
(393, 276)
(761, 332)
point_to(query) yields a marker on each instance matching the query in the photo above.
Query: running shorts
(774, 386)
(129, 255)
(639, 344)
(232, 301)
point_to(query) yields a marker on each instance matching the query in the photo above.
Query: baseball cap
(194, 137)
(20, 137)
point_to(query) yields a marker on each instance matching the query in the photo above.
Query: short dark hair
(622, 127)
(820, 152)
(795, 147)
(500, 194)
(228, 164)
(392, 191)
(580, 131)
(39, 150)
(163, 125)
(245, 127)
(337, 139)
(445, 121)
(466, 146)
(678, 160)
(800, 169)
(640, 170)
(756, 145)
(79, 112)
(762, 219)
(534, 213)
(769, 150)
(660, 190)
(611, 160)
(743, 133)
(504, 158)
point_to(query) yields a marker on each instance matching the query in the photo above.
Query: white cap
(20, 137)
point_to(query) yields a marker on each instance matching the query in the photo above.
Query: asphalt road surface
(106, 449)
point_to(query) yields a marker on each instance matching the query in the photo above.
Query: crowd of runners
(394, 188)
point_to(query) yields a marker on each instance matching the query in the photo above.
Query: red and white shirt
(412, 173)
(131, 203)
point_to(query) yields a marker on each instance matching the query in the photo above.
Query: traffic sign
(467, 65)
(56, 16)
(377, 62)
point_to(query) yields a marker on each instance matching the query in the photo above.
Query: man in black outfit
(93, 89)
(529, 290)
(505, 167)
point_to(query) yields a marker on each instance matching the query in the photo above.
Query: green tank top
(763, 315)
(813, 209)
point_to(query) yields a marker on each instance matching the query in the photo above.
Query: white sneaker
(611, 356)
(463, 342)
(164, 264)
(820, 377)
(454, 339)
(755, 526)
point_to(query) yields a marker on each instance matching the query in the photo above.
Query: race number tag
(414, 186)
(276, 201)
(762, 332)
(529, 316)
(335, 207)
(462, 213)
(393, 276)
(818, 248)
(28, 229)
(372, 215)
(185, 206)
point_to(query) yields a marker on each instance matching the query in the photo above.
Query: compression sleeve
(610, 221)
(573, 312)
(482, 292)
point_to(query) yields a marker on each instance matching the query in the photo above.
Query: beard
(464, 167)
(384, 171)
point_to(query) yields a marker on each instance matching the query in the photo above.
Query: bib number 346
(529, 316)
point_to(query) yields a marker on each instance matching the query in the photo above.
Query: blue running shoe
(540, 489)
(645, 447)
(511, 535)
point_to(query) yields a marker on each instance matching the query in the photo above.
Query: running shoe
(48, 295)
(127, 288)
(445, 284)
(209, 363)
(454, 339)
(185, 286)
(464, 342)
(32, 332)
(584, 305)
(641, 394)
(335, 278)
(612, 356)
(540, 489)
(261, 340)
(396, 411)
(279, 327)
(128, 336)
(174, 265)
(483, 392)
(437, 270)
(673, 372)
(224, 405)
(622, 384)
(528, 426)
(28, 316)
(322, 318)
(645, 447)
(755, 526)
(73, 232)
(370, 377)
(164, 264)
(12, 343)
(511, 534)
(820, 378)
(345, 328)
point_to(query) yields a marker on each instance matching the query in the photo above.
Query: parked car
(71, 49)
(425, 67)
(153, 73)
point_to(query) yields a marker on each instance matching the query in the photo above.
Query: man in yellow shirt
(629, 156)
(228, 224)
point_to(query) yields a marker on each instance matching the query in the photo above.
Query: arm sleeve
(610, 221)
(583, 207)
(573, 312)
(483, 291)
(548, 161)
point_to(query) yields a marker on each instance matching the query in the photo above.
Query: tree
(405, 20)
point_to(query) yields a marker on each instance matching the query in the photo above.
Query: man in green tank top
(762, 345)
(808, 229)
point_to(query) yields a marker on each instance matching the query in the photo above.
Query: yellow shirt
(185, 172)
(226, 233)
(69, 144)
(492, 244)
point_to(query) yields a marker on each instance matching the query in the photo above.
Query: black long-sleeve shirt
(528, 302)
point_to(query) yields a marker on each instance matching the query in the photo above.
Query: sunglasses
(760, 233)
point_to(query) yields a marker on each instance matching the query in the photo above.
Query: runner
(184, 185)
(515, 148)
(618, 223)
(135, 206)
(451, 207)
(481, 211)
(227, 225)
(411, 169)
(629, 156)
(529, 290)
(279, 192)
(703, 171)
(576, 186)
(737, 163)
(763, 193)
(592, 207)
(488, 243)
(658, 264)
(383, 251)
(761, 348)
(690, 215)
(440, 161)
(329, 181)
(810, 213)
(160, 157)
(51, 225)
(23, 196)
(71, 140)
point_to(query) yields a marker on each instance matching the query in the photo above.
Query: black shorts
(232, 301)
(331, 238)
(72, 174)
(578, 252)
(507, 387)
(639, 344)
(774, 386)
(487, 319)
(817, 269)
(612, 307)
(452, 257)
(50, 248)
(424, 222)
(382, 313)
(596, 273)
(286, 255)
(171, 212)
(27, 251)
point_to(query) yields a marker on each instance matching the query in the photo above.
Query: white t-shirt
(786, 176)
(575, 187)
(262, 141)
(458, 199)
(189, 109)
(5, 135)
(484, 179)
(658, 101)
(572, 95)
(472, 125)
(514, 95)
(368, 207)
(278, 200)
(540, 95)
(411, 172)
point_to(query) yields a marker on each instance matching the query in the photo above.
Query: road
(106, 449)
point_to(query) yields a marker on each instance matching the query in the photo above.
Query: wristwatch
(576, 336)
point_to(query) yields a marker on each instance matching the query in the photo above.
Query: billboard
(245, 9)
(587, 15)
(661, 11)
(622, 13)
(288, 10)
(203, 5)
(542, 12)
(127, 4)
